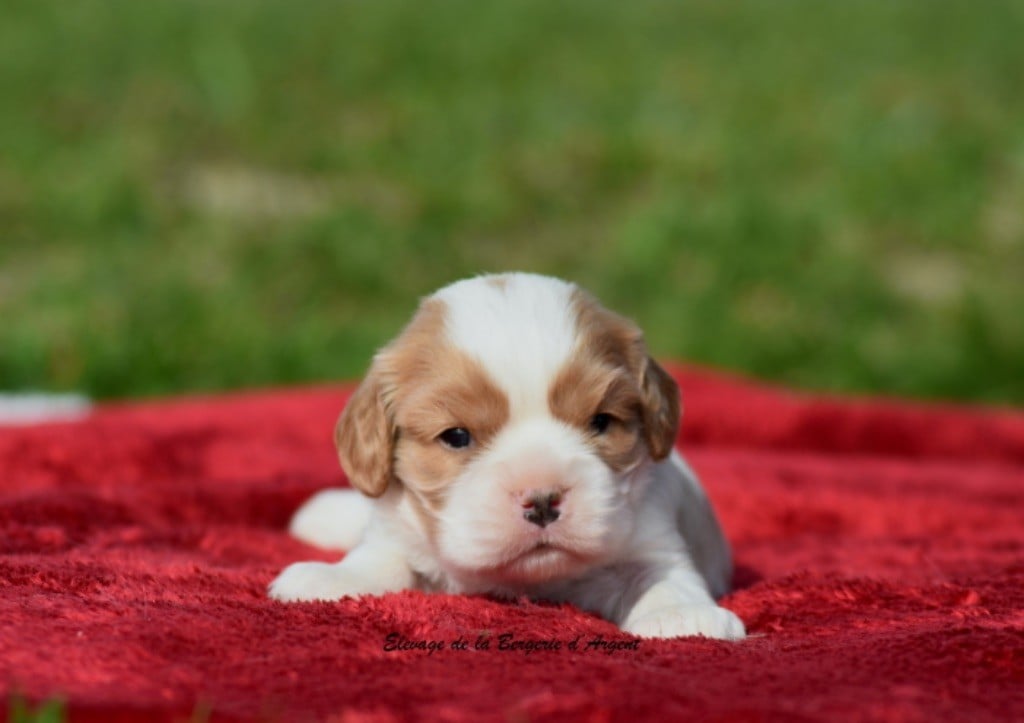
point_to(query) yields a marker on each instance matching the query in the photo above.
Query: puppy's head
(517, 416)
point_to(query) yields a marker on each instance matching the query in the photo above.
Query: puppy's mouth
(542, 562)
(540, 547)
(539, 551)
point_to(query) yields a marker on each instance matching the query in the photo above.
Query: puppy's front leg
(374, 567)
(679, 604)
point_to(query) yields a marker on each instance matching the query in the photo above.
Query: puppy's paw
(711, 621)
(317, 581)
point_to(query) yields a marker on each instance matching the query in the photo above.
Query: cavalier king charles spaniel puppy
(517, 439)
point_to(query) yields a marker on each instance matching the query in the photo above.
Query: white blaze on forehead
(520, 327)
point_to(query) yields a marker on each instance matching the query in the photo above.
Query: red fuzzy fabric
(878, 549)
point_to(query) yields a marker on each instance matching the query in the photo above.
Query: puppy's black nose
(542, 509)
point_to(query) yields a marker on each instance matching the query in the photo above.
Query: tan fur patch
(586, 387)
(457, 394)
(611, 373)
(423, 386)
(365, 434)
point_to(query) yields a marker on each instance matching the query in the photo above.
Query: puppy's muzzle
(542, 509)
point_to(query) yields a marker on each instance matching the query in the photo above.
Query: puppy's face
(516, 415)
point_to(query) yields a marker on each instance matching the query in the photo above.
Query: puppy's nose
(542, 509)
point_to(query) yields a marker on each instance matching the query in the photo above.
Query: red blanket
(879, 572)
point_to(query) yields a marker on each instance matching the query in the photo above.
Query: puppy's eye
(599, 423)
(456, 437)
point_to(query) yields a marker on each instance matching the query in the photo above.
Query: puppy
(517, 439)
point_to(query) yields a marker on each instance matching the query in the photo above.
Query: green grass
(201, 195)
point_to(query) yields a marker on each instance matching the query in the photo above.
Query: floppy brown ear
(661, 409)
(365, 438)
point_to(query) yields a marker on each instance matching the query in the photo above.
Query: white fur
(521, 330)
(641, 548)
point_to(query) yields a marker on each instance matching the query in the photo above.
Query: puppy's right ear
(365, 437)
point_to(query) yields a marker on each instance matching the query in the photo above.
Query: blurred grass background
(203, 194)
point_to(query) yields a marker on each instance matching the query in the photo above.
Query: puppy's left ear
(661, 409)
